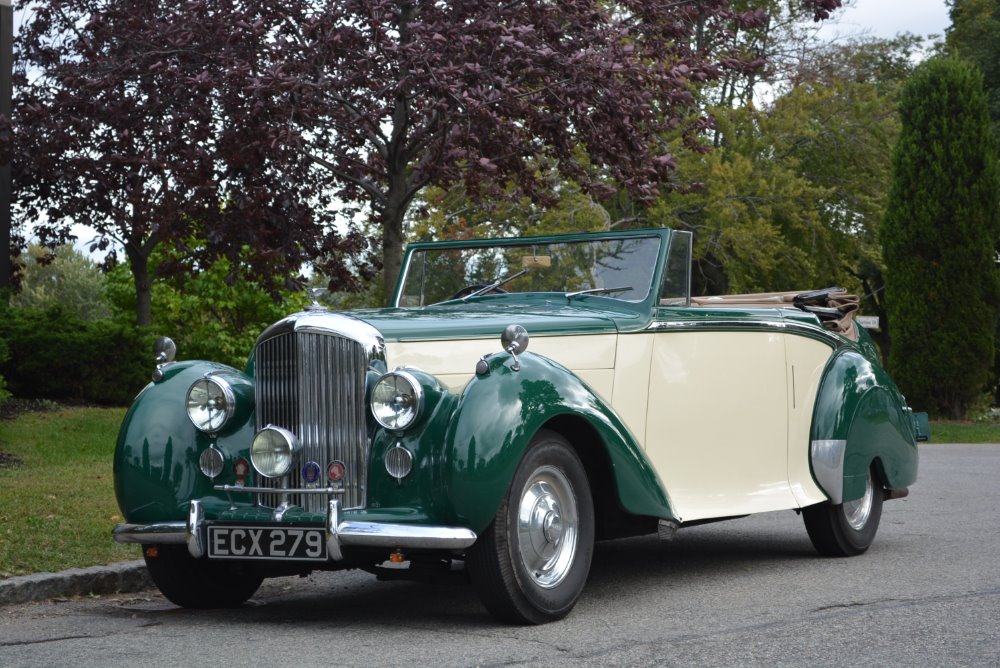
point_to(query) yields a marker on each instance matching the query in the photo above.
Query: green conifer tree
(939, 240)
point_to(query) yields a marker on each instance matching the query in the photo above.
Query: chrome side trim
(196, 518)
(716, 323)
(163, 532)
(828, 467)
(802, 329)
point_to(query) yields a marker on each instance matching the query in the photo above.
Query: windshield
(618, 268)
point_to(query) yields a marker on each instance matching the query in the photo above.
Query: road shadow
(620, 568)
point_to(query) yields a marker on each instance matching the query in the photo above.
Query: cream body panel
(806, 360)
(717, 422)
(591, 357)
(630, 396)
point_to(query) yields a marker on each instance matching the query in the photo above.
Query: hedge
(53, 354)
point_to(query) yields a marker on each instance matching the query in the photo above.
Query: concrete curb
(125, 576)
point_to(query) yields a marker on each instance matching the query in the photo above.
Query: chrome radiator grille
(313, 384)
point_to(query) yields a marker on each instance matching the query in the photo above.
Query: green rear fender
(156, 455)
(500, 412)
(858, 403)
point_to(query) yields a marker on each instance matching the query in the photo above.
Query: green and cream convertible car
(405, 440)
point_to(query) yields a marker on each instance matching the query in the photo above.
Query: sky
(886, 18)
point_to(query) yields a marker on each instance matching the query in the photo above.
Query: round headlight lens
(272, 452)
(210, 403)
(397, 399)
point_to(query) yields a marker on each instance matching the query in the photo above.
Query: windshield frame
(646, 304)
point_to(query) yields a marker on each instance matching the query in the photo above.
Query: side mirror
(164, 350)
(514, 340)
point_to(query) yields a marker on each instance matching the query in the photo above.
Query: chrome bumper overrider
(338, 533)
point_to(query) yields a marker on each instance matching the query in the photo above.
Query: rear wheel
(199, 583)
(531, 563)
(849, 528)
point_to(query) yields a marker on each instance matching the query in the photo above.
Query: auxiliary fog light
(211, 462)
(273, 451)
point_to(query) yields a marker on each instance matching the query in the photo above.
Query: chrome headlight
(397, 400)
(273, 451)
(210, 403)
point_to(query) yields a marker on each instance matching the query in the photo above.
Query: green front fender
(859, 405)
(500, 412)
(156, 456)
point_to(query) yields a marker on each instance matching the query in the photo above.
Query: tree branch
(377, 195)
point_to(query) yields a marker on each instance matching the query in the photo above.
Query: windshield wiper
(596, 291)
(486, 288)
(494, 285)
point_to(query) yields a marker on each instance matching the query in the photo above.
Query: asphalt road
(743, 592)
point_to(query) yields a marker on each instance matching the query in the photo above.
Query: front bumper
(338, 533)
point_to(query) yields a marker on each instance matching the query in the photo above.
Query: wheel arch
(499, 414)
(612, 521)
(155, 465)
(860, 419)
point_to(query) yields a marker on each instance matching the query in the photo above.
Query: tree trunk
(392, 247)
(139, 264)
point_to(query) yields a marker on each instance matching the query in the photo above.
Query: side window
(677, 274)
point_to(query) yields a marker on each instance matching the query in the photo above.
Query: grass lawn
(965, 432)
(57, 500)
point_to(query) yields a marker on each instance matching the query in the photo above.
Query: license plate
(249, 542)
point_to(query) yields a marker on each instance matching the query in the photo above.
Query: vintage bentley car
(405, 441)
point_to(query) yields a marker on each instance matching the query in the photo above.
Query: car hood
(489, 320)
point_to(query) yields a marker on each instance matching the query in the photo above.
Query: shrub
(939, 237)
(54, 354)
(207, 314)
(4, 356)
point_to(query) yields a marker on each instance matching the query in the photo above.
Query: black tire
(199, 583)
(510, 565)
(846, 529)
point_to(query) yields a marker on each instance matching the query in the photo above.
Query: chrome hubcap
(857, 512)
(547, 524)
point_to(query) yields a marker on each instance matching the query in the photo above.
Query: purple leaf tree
(146, 122)
(394, 95)
(266, 130)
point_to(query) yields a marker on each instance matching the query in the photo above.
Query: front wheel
(531, 563)
(849, 528)
(199, 583)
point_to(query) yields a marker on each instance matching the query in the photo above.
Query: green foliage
(4, 356)
(449, 214)
(738, 215)
(974, 35)
(209, 313)
(371, 296)
(939, 239)
(54, 354)
(64, 277)
(794, 192)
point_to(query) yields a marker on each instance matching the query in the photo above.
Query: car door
(717, 414)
